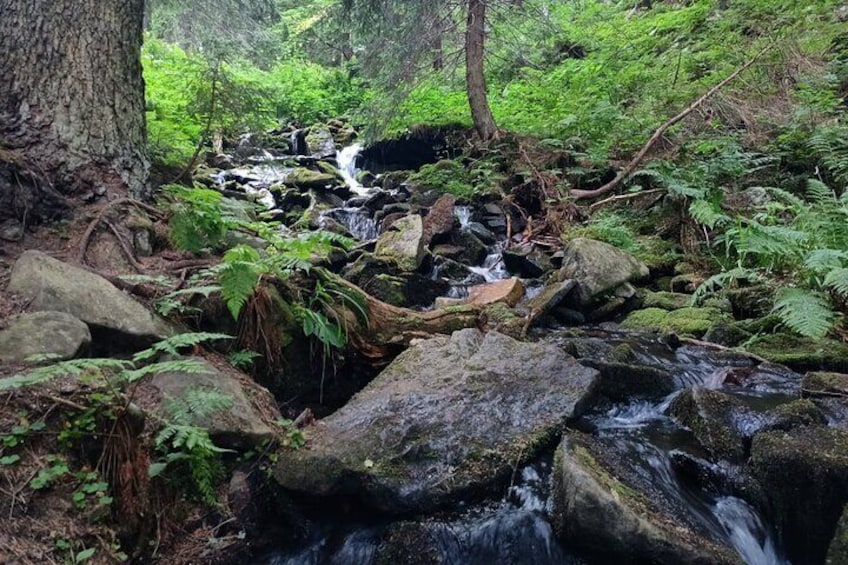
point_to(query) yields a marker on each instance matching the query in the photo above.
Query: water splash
(462, 215)
(357, 221)
(346, 159)
(746, 532)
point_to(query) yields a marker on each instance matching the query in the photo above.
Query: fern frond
(707, 213)
(837, 280)
(822, 261)
(805, 312)
(723, 280)
(73, 367)
(174, 344)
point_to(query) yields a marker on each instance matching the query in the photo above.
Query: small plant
(197, 218)
(292, 436)
(56, 469)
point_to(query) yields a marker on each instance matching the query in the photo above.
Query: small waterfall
(347, 166)
(462, 215)
(357, 221)
(746, 532)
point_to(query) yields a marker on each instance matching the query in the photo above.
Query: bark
(72, 103)
(390, 329)
(475, 36)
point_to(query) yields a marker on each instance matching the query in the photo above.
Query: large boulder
(805, 474)
(57, 334)
(527, 261)
(319, 142)
(304, 179)
(598, 267)
(599, 511)
(450, 416)
(242, 420)
(403, 243)
(51, 285)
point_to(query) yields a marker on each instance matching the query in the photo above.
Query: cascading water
(346, 159)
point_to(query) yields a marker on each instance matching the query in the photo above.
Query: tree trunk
(475, 36)
(72, 105)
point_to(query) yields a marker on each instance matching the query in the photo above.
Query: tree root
(85, 240)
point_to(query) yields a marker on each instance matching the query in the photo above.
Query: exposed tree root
(85, 240)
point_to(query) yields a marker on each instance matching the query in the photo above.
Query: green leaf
(84, 555)
(805, 312)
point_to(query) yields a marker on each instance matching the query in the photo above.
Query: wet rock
(550, 297)
(728, 333)
(320, 143)
(388, 220)
(220, 161)
(607, 309)
(805, 475)
(713, 417)
(51, 285)
(412, 543)
(795, 414)
(328, 169)
(306, 179)
(684, 321)
(473, 251)
(403, 243)
(449, 417)
(622, 381)
(508, 291)
(451, 252)
(599, 511)
(667, 300)
(239, 423)
(451, 269)
(393, 179)
(440, 220)
(57, 334)
(598, 267)
(527, 261)
(482, 233)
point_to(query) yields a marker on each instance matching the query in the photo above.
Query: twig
(640, 156)
(622, 197)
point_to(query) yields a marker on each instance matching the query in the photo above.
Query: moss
(795, 414)
(500, 313)
(710, 414)
(802, 354)
(646, 319)
(667, 300)
(684, 321)
(632, 498)
(622, 353)
(822, 382)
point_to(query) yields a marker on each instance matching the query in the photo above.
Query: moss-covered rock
(667, 300)
(305, 179)
(712, 416)
(805, 475)
(822, 383)
(684, 321)
(599, 510)
(403, 243)
(802, 354)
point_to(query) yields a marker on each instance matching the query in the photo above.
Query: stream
(515, 528)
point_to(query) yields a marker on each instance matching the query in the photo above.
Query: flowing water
(515, 529)
(346, 159)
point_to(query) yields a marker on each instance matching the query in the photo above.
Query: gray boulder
(403, 243)
(51, 285)
(597, 510)
(320, 142)
(450, 416)
(43, 333)
(598, 267)
(242, 424)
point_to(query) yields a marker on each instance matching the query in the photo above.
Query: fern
(723, 280)
(197, 218)
(173, 345)
(805, 312)
(238, 276)
(837, 280)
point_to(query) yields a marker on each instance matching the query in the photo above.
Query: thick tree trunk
(475, 36)
(72, 102)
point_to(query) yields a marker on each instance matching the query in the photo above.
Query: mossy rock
(306, 178)
(796, 414)
(684, 321)
(805, 475)
(729, 334)
(823, 383)
(711, 415)
(667, 300)
(801, 353)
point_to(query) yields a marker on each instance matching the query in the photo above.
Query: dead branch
(623, 197)
(630, 168)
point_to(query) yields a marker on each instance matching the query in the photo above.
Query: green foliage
(610, 227)
(453, 177)
(197, 218)
(802, 241)
(56, 469)
(183, 440)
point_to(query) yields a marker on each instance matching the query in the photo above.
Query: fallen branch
(628, 170)
(623, 197)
